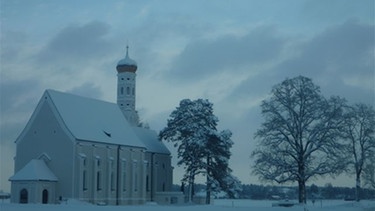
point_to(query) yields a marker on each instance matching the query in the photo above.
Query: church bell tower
(126, 69)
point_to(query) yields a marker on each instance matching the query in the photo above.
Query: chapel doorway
(24, 198)
(45, 196)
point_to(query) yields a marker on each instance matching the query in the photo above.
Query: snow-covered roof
(94, 120)
(35, 170)
(150, 139)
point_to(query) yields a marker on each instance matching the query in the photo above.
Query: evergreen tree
(200, 147)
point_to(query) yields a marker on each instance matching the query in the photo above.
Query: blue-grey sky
(230, 52)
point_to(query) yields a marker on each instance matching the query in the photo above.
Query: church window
(123, 181)
(98, 181)
(127, 90)
(135, 176)
(24, 196)
(112, 181)
(133, 91)
(123, 175)
(147, 184)
(84, 180)
(122, 90)
(45, 196)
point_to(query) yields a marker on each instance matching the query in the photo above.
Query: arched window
(133, 91)
(127, 90)
(45, 196)
(24, 196)
(122, 90)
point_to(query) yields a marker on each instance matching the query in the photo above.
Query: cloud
(203, 58)
(77, 44)
(337, 59)
(87, 90)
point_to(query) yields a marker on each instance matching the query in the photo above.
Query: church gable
(41, 119)
(45, 133)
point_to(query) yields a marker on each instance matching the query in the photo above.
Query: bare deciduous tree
(359, 133)
(298, 139)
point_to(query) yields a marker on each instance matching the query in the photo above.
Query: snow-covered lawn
(219, 205)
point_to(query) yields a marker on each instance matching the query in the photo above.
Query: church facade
(75, 147)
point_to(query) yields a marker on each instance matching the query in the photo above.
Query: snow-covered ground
(219, 205)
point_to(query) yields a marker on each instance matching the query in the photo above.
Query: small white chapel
(86, 149)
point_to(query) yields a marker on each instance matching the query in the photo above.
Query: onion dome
(126, 64)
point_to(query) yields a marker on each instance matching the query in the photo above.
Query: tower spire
(126, 69)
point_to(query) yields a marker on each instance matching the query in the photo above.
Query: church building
(75, 147)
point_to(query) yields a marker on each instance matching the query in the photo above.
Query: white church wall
(34, 190)
(46, 139)
(106, 177)
(132, 170)
(163, 173)
(158, 174)
(96, 172)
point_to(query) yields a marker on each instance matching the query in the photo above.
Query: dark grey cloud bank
(78, 44)
(331, 58)
(202, 58)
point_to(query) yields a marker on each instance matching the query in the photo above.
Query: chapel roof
(35, 170)
(94, 120)
(151, 140)
(100, 121)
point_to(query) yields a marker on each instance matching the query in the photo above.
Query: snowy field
(219, 205)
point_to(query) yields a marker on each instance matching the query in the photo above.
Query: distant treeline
(314, 192)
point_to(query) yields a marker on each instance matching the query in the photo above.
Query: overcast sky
(230, 52)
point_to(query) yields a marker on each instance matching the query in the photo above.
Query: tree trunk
(358, 188)
(301, 192)
(191, 189)
(208, 185)
(208, 191)
(301, 180)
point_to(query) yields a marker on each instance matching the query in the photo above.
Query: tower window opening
(128, 79)
(127, 90)
(122, 79)
(133, 91)
(122, 90)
